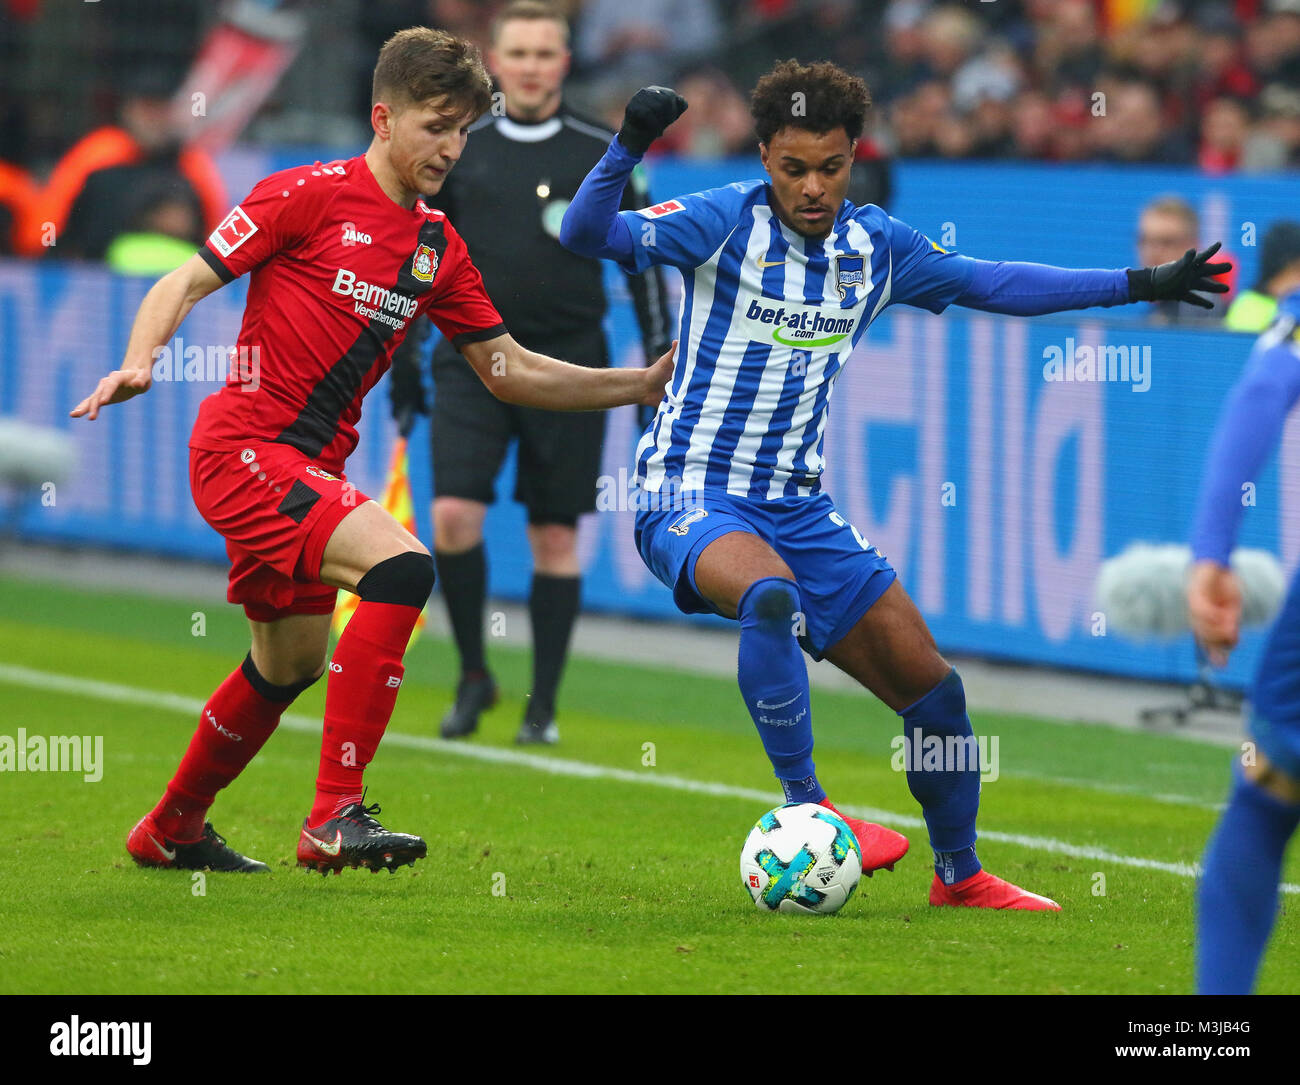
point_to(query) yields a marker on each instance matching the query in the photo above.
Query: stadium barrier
(981, 454)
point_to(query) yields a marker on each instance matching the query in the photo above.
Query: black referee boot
(476, 693)
(538, 729)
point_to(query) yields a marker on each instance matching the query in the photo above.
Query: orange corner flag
(397, 503)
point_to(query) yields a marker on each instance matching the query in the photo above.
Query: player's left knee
(405, 579)
(945, 703)
(771, 603)
(283, 694)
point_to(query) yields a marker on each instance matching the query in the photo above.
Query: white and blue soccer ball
(801, 857)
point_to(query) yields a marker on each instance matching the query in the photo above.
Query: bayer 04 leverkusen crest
(425, 264)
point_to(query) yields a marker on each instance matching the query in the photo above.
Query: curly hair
(817, 97)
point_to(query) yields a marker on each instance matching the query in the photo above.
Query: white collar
(528, 133)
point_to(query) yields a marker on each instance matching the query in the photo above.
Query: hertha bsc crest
(682, 524)
(850, 273)
(425, 264)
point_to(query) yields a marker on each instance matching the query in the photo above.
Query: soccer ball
(801, 857)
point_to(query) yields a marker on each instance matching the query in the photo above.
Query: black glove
(651, 110)
(1176, 280)
(405, 389)
(405, 418)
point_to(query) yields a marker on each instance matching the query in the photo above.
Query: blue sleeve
(1022, 289)
(685, 231)
(933, 278)
(1248, 431)
(682, 232)
(924, 274)
(592, 226)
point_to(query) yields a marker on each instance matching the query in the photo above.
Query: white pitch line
(1117, 789)
(192, 706)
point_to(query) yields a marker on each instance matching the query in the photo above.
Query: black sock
(552, 606)
(463, 578)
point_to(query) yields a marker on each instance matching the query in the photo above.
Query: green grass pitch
(609, 875)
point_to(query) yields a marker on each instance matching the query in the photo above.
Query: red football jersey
(339, 272)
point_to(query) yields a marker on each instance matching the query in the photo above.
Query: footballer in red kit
(339, 272)
(342, 257)
(323, 240)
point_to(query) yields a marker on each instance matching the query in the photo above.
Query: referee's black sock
(553, 608)
(463, 578)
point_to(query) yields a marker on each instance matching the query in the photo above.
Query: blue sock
(944, 777)
(774, 683)
(1237, 895)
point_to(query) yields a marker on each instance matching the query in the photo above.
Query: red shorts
(276, 509)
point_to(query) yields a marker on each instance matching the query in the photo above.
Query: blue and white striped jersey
(768, 318)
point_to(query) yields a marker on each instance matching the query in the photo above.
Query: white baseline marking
(1116, 789)
(111, 691)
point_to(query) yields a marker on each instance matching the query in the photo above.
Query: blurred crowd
(90, 134)
(1214, 83)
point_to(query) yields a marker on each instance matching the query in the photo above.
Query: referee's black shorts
(559, 451)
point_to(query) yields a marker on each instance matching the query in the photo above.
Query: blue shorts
(1273, 716)
(839, 573)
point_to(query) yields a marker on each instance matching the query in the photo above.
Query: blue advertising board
(982, 454)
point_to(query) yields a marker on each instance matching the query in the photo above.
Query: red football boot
(985, 890)
(353, 838)
(881, 847)
(148, 846)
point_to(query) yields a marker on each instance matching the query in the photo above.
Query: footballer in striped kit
(782, 277)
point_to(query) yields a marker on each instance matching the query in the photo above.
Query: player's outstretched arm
(1027, 289)
(528, 379)
(928, 276)
(160, 314)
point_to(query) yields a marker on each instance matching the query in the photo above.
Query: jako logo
(77, 1037)
(229, 734)
(352, 236)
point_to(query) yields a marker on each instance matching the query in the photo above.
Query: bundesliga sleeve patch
(233, 232)
(668, 207)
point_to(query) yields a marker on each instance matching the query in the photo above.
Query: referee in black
(506, 197)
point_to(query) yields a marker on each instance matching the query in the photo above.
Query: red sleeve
(460, 308)
(278, 213)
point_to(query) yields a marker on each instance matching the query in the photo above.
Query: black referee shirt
(507, 196)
